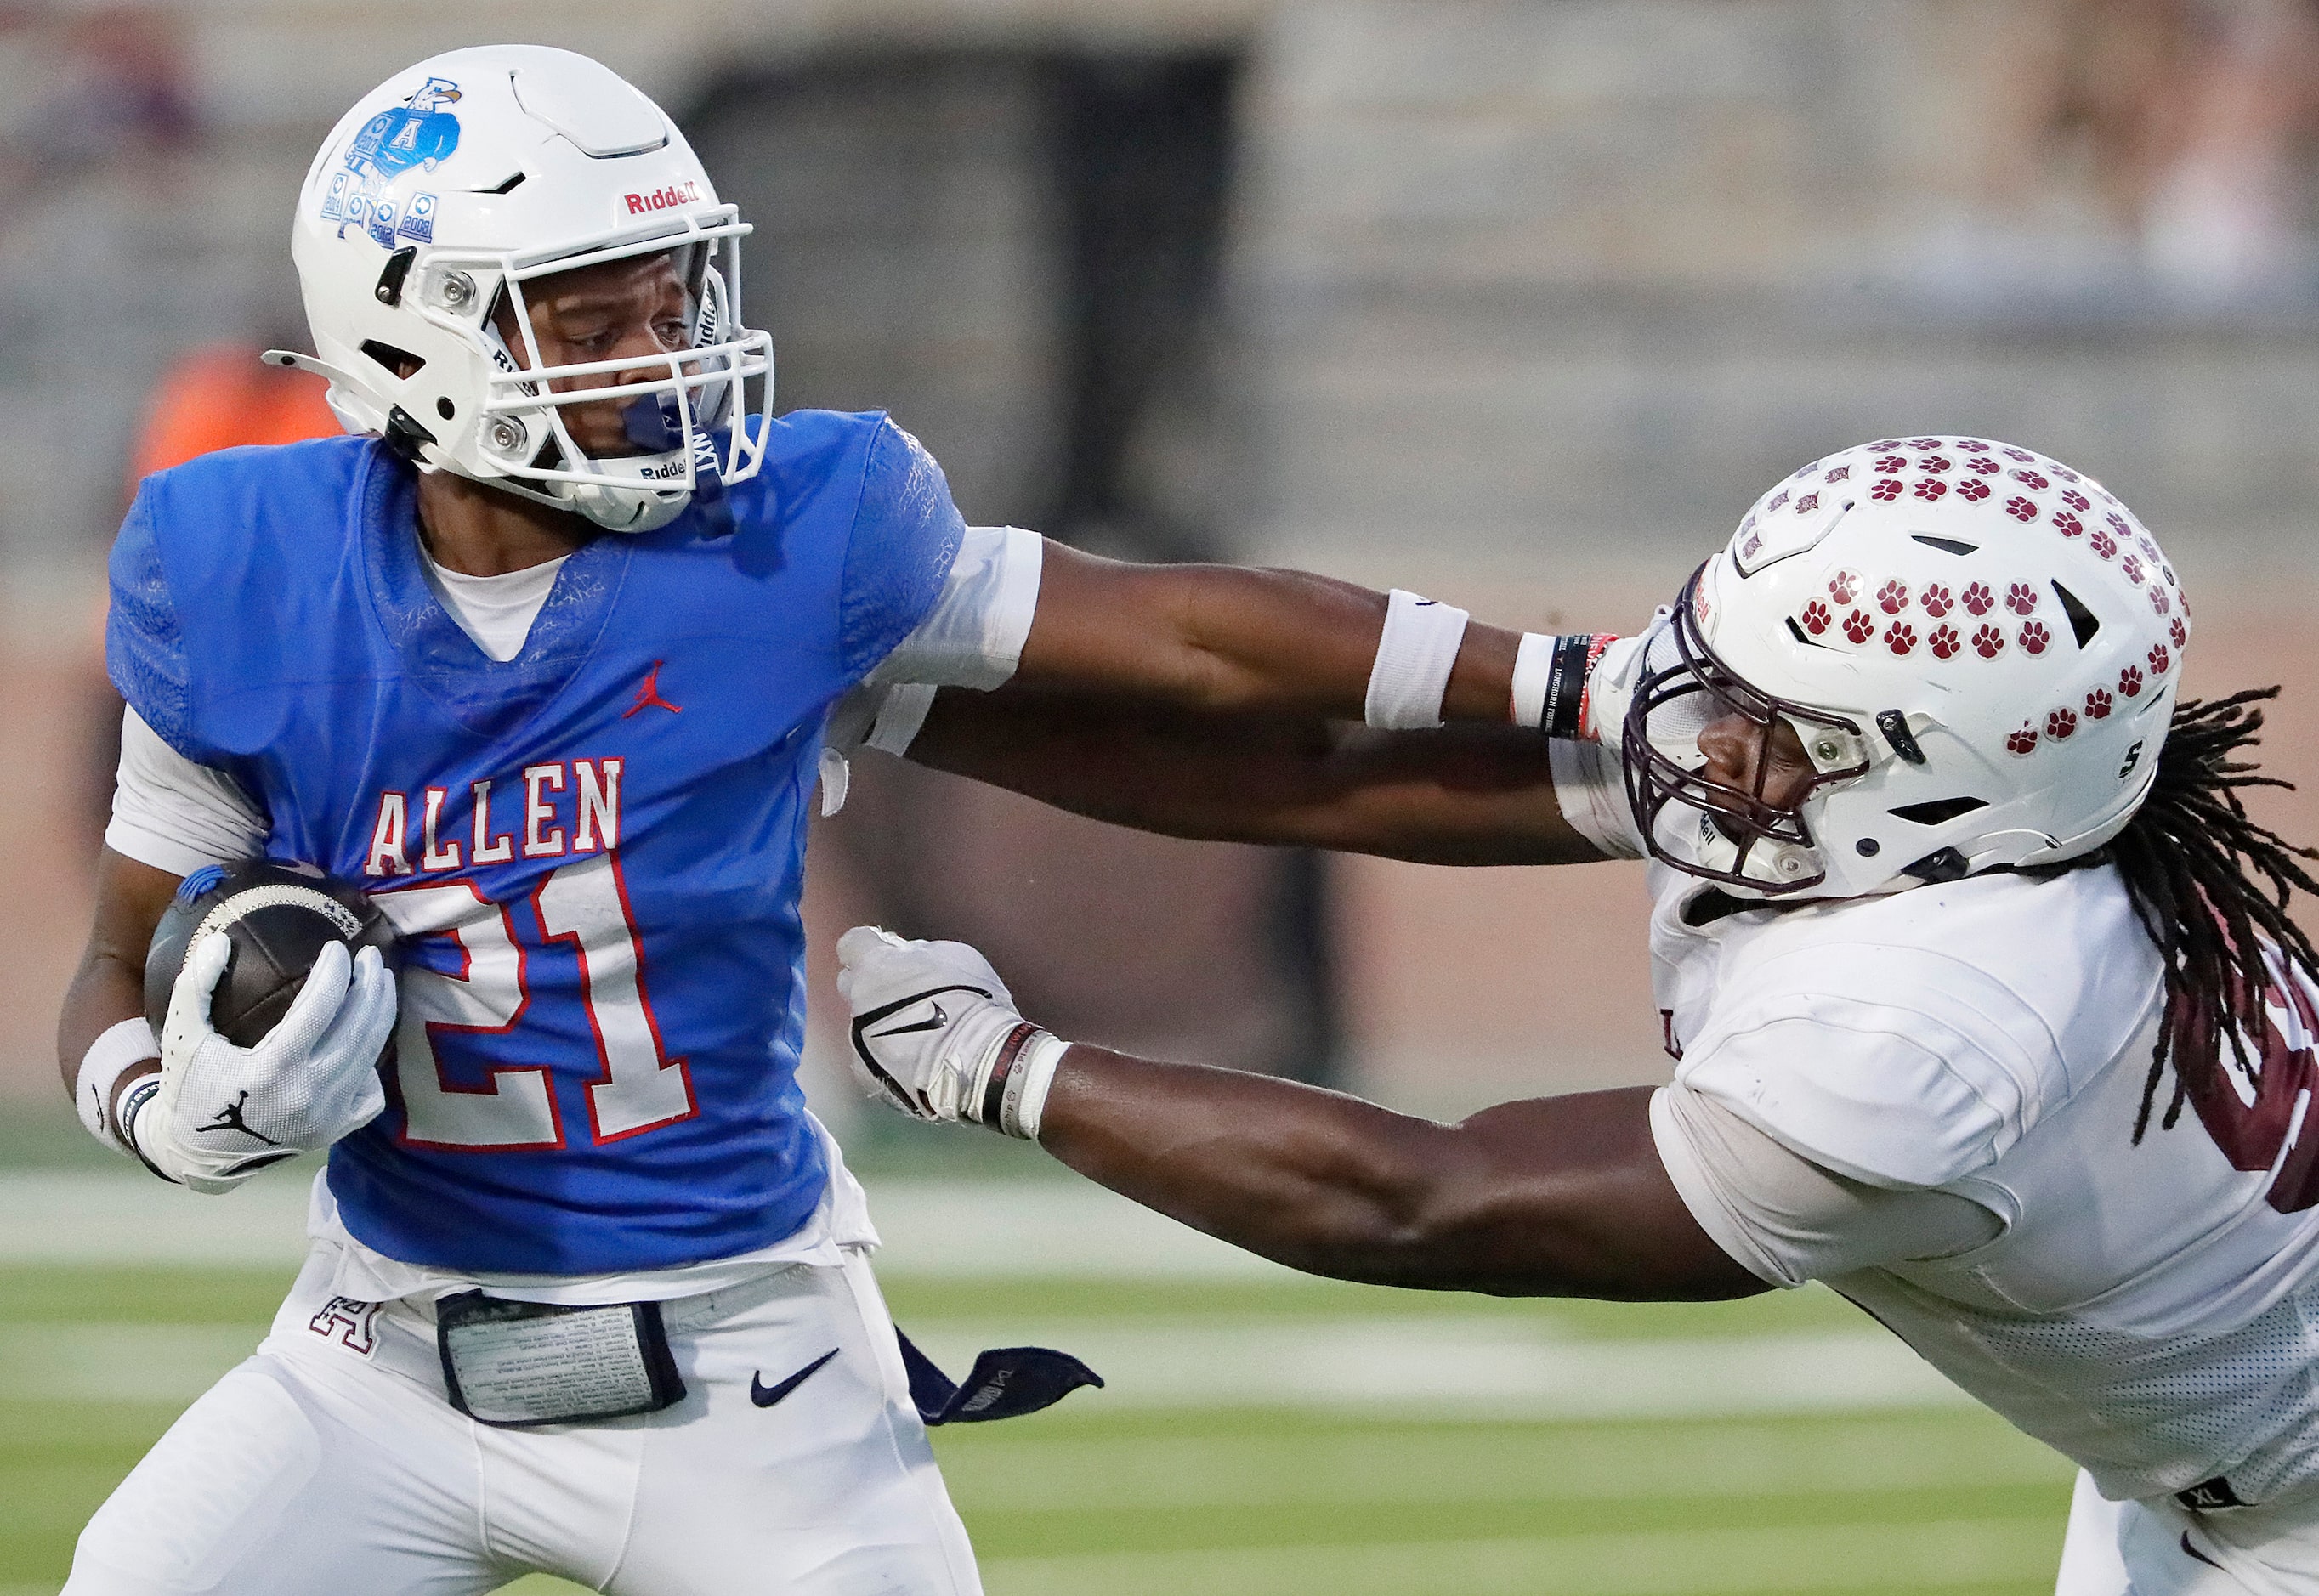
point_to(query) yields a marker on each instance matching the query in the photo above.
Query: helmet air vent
(1940, 811)
(507, 187)
(2082, 621)
(1947, 545)
(402, 363)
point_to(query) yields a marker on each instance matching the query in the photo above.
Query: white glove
(222, 1113)
(935, 1033)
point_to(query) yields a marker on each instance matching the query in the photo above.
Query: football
(278, 920)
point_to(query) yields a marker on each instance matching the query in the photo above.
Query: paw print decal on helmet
(2129, 682)
(1989, 642)
(1977, 599)
(2061, 723)
(2024, 741)
(2098, 705)
(2035, 638)
(1937, 600)
(1843, 587)
(2021, 510)
(2021, 598)
(1816, 617)
(1945, 643)
(1859, 626)
(1901, 638)
(1893, 598)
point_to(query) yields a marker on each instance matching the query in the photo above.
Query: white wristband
(120, 1049)
(1533, 668)
(1039, 1062)
(1415, 653)
(1010, 1088)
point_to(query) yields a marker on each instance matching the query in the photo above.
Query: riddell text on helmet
(663, 198)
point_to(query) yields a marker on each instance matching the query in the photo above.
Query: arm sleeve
(906, 536)
(1788, 1220)
(144, 647)
(974, 637)
(175, 815)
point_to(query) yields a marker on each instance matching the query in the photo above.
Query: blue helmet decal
(422, 133)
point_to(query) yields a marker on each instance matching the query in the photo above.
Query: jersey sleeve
(175, 815)
(906, 536)
(974, 637)
(1788, 1220)
(1885, 1064)
(144, 647)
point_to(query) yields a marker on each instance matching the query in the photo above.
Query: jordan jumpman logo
(648, 695)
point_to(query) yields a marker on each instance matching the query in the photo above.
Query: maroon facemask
(1682, 697)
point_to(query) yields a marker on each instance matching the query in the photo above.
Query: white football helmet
(455, 184)
(1978, 647)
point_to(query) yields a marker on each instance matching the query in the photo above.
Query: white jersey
(2151, 1310)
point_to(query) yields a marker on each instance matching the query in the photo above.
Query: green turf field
(1123, 1495)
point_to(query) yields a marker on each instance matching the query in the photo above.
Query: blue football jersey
(593, 850)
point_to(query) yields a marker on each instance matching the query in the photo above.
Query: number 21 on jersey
(638, 1086)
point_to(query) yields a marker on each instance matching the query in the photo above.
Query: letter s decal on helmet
(1979, 669)
(450, 188)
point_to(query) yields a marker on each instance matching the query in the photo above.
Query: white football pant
(330, 1461)
(2160, 1548)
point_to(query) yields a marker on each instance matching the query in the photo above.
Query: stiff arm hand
(218, 1113)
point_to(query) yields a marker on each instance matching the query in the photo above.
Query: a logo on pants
(348, 1322)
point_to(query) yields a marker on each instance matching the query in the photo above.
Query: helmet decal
(418, 133)
(550, 163)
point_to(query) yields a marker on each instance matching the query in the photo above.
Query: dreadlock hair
(2211, 887)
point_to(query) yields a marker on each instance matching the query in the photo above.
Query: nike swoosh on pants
(766, 1395)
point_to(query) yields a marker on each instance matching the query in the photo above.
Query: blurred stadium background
(1519, 304)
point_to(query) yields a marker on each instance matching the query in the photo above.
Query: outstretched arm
(1224, 637)
(1462, 795)
(1562, 1196)
(1556, 1197)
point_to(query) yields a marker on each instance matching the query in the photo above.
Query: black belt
(517, 1365)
